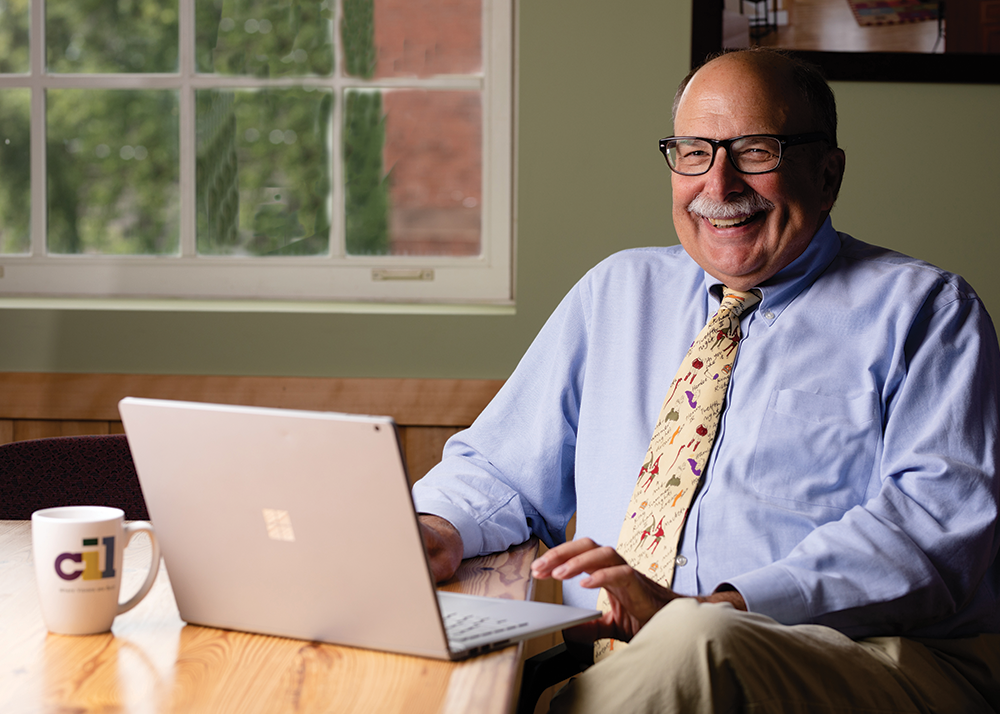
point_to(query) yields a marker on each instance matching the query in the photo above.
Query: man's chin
(738, 265)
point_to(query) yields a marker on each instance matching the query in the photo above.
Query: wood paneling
(428, 411)
(411, 402)
(43, 428)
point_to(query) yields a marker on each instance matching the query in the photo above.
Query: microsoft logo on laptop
(279, 525)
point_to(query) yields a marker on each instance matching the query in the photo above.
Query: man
(839, 551)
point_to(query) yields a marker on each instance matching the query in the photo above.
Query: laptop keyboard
(466, 627)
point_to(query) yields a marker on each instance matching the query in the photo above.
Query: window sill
(258, 306)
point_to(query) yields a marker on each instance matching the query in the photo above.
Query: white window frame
(485, 279)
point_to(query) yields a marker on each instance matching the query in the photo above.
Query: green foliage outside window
(113, 169)
(367, 202)
(14, 35)
(15, 139)
(265, 38)
(116, 36)
(366, 185)
(263, 178)
(15, 170)
(357, 31)
(263, 157)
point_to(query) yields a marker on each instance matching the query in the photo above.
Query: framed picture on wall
(951, 41)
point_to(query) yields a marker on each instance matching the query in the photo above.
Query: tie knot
(736, 302)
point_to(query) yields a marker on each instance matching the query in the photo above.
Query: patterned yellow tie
(678, 451)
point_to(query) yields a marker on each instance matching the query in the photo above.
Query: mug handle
(154, 566)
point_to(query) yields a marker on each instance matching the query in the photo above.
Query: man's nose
(722, 179)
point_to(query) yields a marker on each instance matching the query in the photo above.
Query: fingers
(611, 577)
(571, 559)
(635, 598)
(543, 566)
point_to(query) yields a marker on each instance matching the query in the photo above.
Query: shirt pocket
(816, 449)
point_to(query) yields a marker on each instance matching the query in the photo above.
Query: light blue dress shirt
(853, 480)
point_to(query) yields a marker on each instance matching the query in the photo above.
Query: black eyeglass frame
(784, 140)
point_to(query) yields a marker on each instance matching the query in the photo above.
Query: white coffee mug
(78, 566)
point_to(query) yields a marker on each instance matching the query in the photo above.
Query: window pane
(412, 38)
(102, 36)
(15, 170)
(263, 171)
(112, 165)
(14, 36)
(423, 38)
(413, 172)
(264, 38)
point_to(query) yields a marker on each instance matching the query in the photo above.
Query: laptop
(301, 524)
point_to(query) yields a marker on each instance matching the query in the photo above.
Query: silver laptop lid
(287, 523)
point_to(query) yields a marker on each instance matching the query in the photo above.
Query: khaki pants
(695, 658)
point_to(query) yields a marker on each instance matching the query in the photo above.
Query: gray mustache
(746, 204)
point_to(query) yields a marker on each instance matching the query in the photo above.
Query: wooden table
(154, 662)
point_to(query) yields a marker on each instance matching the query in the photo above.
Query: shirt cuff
(771, 591)
(466, 525)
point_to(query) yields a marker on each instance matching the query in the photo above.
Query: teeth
(728, 222)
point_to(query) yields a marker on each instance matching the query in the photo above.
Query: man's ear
(833, 166)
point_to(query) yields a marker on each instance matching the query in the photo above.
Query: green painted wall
(595, 84)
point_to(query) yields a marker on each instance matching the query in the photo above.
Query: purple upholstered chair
(69, 471)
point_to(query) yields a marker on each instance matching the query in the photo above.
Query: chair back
(69, 471)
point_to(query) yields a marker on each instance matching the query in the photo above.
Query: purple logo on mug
(91, 561)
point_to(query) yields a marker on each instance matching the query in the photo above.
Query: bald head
(786, 75)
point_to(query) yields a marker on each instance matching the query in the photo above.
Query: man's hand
(634, 598)
(444, 546)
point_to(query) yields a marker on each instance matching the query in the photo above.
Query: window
(260, 149)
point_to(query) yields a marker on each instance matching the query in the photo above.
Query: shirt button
(768, 315)
(681, 561)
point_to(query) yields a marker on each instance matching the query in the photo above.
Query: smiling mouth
(736, 212)
(733, 222)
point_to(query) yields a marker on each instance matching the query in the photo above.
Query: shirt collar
(778, 291)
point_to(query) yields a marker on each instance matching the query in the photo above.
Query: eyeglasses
(751, 154)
